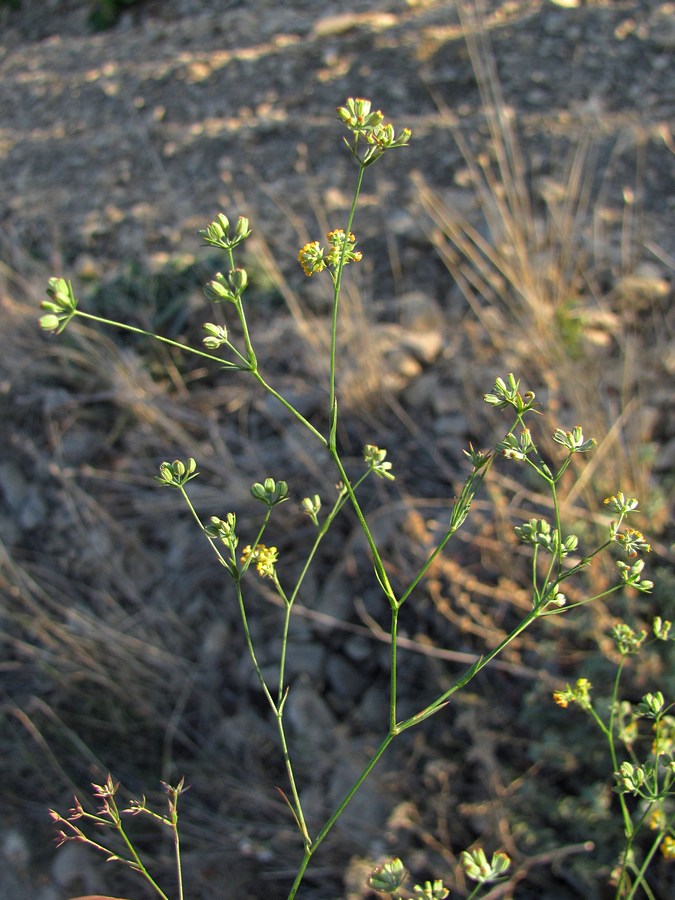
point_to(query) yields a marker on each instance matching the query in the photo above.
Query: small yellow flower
(337, 236)
(343, 247)
(668, 848)
(311, 258)
(657, 820)
(265, 559)
(664, 739)
(580, 693)
(632, 541)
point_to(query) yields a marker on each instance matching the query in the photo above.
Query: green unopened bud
(177, 473)
(651, 705)
(219, 290)
(375, 458)
(629, 778)
(242, 230)
(311, 507)
(216, 232)
(388, 877)
(479, 869)
(216, 335)
(61, 292)
(628, 641)
(574, 440)
(431, 891)
(223, 530)
(238, 279)
(570, 544)
(271, 492)
(224, 223)
(661, 628)
(538, 532)
(61, 306)
(50, 322)
(506, 393)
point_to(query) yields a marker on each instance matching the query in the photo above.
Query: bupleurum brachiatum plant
(556, 557)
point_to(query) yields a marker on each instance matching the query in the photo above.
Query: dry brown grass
(122, 653)
(531, 262)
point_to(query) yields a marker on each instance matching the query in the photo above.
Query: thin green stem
(640, 873)
(284, 648)
(211, 541)
(252, 359)
(459, 512)
(276, 709)
(396, 730)
(157, 337)
(461, 682)
(140, 868)
(297, 805)
(337, 284)
(252, 362)
(289, 406)
(393, 668)
(249, 644)
(377, 559)
(568, 606)
(179, 865)
(310, 851)
(557, 557)
(608, 731)
(323, 530)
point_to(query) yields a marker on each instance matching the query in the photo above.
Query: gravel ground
(115, 148)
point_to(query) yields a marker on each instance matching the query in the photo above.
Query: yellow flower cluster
(314, 258)
(265, 559)
(580, 693)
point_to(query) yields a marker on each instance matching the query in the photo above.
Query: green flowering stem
(157, 337)
(236, 300)
(276, 706)
(380, 572)
(277, 709)
(630, 829)
(289, 601)
(457, 518)
(397, 729)
(468, 676)
(337, 284)
(568, 606)
(247, 365)
(138, 864)
(212, 541)
(283, 691)
(640, 873)
(311, 850)
(252, 359)
(393, 668)
(288, 406)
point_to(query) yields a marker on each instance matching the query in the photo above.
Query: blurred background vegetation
(526, 229)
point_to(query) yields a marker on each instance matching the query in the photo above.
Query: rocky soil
(115, 148)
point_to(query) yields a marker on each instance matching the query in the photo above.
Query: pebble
(73, 868)
(308, 714)
(24, 499)
(345, 678)
(661, 26)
